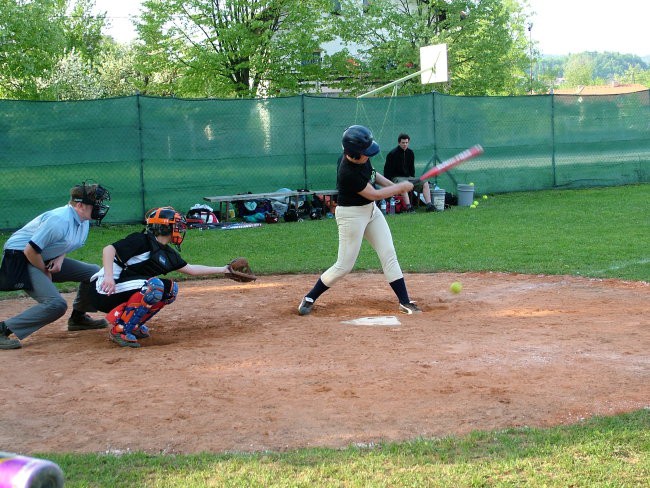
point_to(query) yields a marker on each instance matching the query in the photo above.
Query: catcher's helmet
(358, 140)
(165, 221)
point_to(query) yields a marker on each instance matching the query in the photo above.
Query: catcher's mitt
(240, 270)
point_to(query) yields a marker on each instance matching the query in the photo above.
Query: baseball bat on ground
(446, 165)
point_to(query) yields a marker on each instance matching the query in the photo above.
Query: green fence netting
(164, 151)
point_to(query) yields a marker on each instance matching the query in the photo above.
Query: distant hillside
(606, 66)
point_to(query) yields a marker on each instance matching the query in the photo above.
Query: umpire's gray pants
(51, 305)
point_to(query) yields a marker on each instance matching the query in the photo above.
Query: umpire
(34, 258)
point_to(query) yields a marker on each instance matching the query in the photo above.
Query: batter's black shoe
(431, 207)
(409, 308)
(82, 321)
(306, 306)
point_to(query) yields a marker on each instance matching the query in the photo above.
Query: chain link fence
(164, 151)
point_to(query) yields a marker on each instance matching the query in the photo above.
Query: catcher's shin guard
(171, 291)
(139, 308)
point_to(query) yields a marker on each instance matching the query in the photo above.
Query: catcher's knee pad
(171, 291)
(152, 291)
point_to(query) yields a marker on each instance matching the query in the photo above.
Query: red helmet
(271, 217)
(165, 221)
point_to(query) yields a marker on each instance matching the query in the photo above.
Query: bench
(228, 199)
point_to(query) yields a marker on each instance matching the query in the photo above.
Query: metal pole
(530, 47)
(393, 83)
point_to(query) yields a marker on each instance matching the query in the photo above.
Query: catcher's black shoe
(409, 308)
(306, 305)
(142, 332)
(81, 321)
(121, 339)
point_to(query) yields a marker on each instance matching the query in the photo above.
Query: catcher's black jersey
(141, 255)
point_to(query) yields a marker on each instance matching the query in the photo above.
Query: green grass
(600, 452)
(600, 233)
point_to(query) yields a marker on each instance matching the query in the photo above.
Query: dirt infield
(232, 367)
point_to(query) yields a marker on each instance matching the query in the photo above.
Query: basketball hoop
(433, 68)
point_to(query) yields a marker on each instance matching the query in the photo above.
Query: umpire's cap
(357, 140)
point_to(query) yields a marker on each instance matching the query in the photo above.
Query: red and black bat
(446, 165)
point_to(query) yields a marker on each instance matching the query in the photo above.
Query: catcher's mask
(165, 221)
(92, 194)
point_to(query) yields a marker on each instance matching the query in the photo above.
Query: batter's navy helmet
(358, 139)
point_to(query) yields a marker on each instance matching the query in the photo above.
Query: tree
(635, 75)
(112, 74)
(579, 70)
(83, 30)
(71, 79)
(36, 35)
(487, 46)
(235, 48)
(116, 69)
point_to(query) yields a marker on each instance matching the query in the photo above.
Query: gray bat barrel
(27, 472)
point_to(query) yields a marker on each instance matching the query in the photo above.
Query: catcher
(128, 287)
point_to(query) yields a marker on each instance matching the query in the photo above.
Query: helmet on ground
(272, 217)
(358, 140)
(165, 221)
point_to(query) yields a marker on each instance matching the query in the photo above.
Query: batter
(357, 216)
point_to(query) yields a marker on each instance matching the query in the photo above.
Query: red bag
(201, 217)
(400, 206)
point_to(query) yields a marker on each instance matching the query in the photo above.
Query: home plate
(390, 320)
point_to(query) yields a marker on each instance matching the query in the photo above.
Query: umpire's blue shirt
(53, 233)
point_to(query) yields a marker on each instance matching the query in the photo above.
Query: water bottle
(392, 206)
(383, 207)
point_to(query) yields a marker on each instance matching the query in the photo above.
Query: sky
(558, 26)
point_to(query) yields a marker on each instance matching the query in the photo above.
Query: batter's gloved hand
(240, 270)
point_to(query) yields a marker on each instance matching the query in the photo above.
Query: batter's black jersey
(141, 255)
(352, 178)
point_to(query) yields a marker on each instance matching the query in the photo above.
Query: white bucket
(439, 199)
(465, 195)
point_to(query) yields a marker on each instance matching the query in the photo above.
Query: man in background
(400, 166)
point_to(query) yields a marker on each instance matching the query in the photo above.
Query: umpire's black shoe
(81, 321)
(5, 342)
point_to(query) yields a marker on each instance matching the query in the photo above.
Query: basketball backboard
(433, 64)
